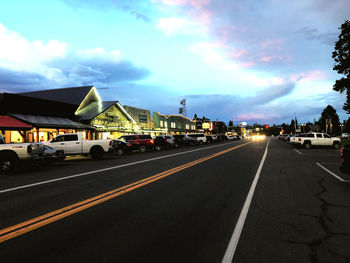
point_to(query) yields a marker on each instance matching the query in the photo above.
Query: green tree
(329, 121)
(341, 56)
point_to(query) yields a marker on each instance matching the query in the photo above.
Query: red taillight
(342, 160)
(299, 139)
(128, 144)
(341, 149)
(110, 143)
(166, 140)
(151, 141)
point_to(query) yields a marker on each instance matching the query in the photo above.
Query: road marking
(104, 169)
(333, 174)
(298, 151)
(35, 223)
(231, 248)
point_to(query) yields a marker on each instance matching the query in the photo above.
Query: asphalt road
(180, 205)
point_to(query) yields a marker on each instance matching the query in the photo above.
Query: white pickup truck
(315, 139)
(73, 144)
(12, 153)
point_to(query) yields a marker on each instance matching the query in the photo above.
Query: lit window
(193, 127)
(166, 124)
(173, 125)
(187, 126)
(161, 123)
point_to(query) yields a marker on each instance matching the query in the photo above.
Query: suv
(165, 142)
(200, 137)
(140, 142)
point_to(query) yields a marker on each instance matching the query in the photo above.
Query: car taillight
(166, 140)
(151, 141)
(128, 144)
(299, 139)
(110, 143)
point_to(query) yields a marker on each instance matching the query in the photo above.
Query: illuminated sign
(206, 125)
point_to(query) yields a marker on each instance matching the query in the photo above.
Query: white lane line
(333, 174)
(106, 169)
(298, 151)
(231, 248)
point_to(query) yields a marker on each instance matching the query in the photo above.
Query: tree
(329, 121)
(341, 56)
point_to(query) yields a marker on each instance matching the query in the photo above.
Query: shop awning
(51, 122)
(8, 122)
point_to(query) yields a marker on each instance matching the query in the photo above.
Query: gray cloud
(13, 81)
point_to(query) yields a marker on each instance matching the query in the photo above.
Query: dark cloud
(13, 81)
(310, 33)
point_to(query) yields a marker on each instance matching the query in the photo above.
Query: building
(173, 124)
(37, 118)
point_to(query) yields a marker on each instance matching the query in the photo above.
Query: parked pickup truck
(11, 154)
(73, 144)
(315, 139)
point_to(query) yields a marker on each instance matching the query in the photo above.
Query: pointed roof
(72, 95)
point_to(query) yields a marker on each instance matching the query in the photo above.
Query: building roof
(51, 122)
(72, 95)
(8, 122)
(93, 109)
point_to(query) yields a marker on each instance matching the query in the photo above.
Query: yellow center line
(37, 222)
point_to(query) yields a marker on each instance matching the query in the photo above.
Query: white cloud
(18, 53)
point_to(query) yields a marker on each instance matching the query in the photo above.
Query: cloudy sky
(241, 60)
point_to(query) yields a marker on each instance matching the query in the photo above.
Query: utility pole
(295, 123)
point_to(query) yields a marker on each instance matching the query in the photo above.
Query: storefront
(13, 130)
(44, 128)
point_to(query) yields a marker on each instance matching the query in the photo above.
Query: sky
(261, 61)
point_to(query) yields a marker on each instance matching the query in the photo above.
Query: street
(180, 205)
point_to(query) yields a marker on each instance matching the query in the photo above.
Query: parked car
(11, 154)
(121, 147)
(140, 142)
(74, 144)
(231, 137)
(315, 139)
(165, 142)
(184, 139)
(211, 138)
(200, 137)
(221, 137)
(52, 155)
(345, 136)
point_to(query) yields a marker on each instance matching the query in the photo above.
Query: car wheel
(200, 142)
(97, 153)
(120, 152)
(191, 144)
(142, 149)
(7, 164)
(336, 145)
(176, 145)
(158, 148)
(307, 145)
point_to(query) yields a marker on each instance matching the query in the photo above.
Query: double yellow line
(35, 223)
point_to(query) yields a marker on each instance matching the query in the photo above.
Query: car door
(72, 144)
(327, 140)
(319, 139)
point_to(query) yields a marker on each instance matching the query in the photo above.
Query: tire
(158, 148)
(307, 145)
(191, 144)
(7, 164)
(336, 145)
(120, 152)
(200, 142)
(142, 149)
(97, 153)
(176, 145)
